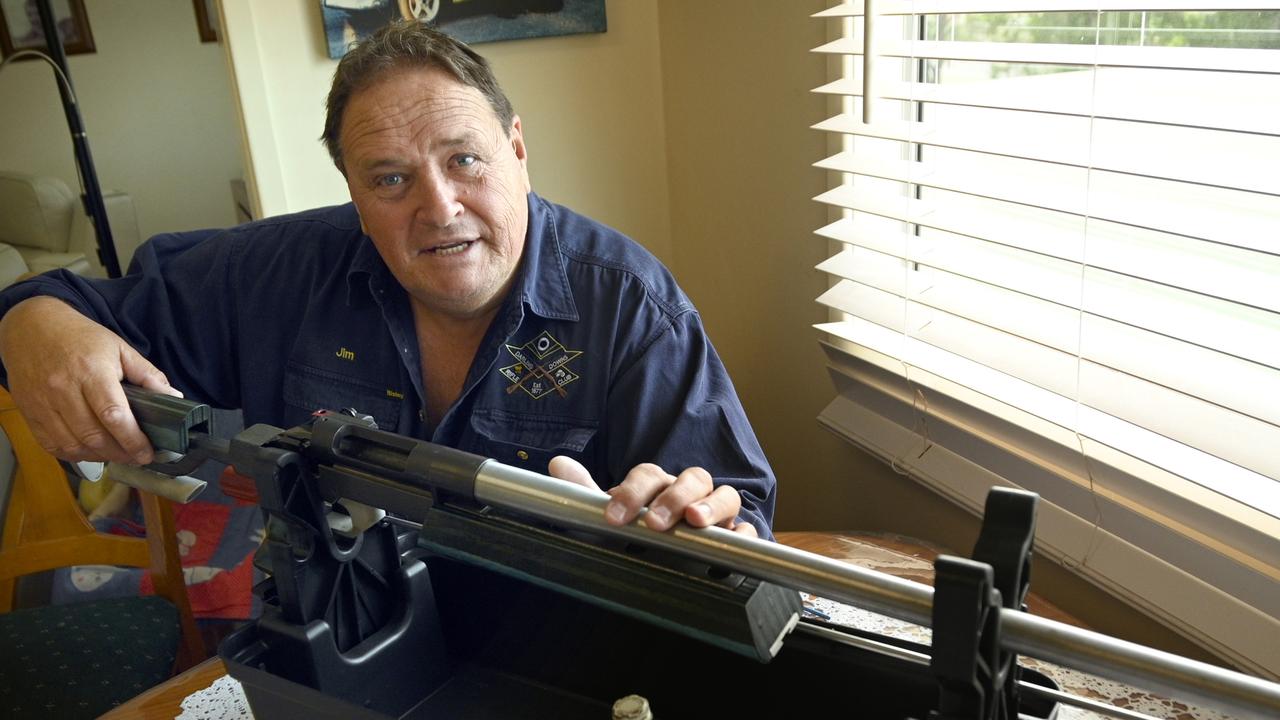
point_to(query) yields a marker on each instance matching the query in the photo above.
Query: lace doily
(223, 700)
(1090, 687)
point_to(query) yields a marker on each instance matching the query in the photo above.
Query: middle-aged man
(447, 300)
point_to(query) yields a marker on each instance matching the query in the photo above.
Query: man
(448, 301)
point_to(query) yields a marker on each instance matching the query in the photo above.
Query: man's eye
(391, 180)
(466, 160)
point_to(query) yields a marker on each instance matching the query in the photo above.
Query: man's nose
(439, 203)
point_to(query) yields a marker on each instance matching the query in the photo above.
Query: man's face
(440, 188)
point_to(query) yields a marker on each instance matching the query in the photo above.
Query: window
(1057, 266)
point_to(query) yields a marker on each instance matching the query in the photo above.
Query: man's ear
(522, 152)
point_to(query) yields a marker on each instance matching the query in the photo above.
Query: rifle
(408, 579)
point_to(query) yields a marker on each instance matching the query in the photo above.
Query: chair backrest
(45, 528)
(12, 265)
(45, 221)
(37, 211)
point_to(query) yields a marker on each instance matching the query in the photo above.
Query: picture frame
(471, 21)
(20, 26)
(206, 20)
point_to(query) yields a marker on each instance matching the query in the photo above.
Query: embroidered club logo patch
(540, 367)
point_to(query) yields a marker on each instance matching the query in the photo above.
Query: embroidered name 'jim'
(540, 367)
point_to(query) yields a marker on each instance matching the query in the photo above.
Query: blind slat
(1066, 195)
(1250, 388)
(1178, 358)
(1241, 274)
(1126, 148)
(1204, 468)
(1253, 95)
(1206, 425)
(871, 305)
(1150, 56)
(1040, 365)
(1048, 233)
(1205, 213)
(938, 7)
(1041, 321)
(1172, 424)
(1248, 333)
(1235, 274)
(1222, 272)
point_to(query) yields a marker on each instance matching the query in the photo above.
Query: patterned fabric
(216, 543)
(217, 536)
(78, 661)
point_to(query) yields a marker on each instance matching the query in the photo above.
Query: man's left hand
(691, 496)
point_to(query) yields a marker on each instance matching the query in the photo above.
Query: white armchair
(12, 266)
(45, 223)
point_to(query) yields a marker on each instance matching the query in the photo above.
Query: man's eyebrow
(465, 138)
(381, 163)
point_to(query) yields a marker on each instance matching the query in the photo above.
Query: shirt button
(422, 415)
(522, 455)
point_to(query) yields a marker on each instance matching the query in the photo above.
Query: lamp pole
(92, 197)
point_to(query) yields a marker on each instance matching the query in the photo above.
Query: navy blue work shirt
(596, 353)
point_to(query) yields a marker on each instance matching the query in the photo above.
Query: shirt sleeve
(676, 407)
(176, 307)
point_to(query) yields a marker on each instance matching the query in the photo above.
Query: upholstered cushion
(35, 211)
(40, 261)
(45, 221)
(12, 266)
(78, 661)
(123, 219)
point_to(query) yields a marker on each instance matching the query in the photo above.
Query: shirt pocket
(308, 389)
(530, 441)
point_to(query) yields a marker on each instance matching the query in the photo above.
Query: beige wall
(590, 105)
(739, 150)
(738, 154)
(280, 71)
(157, 110)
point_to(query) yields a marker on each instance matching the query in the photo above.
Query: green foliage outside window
(1223, 29)
(1216, 29)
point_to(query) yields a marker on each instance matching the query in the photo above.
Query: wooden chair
(80, 660)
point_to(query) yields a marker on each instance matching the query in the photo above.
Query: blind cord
(1092, 545)
(919, 402)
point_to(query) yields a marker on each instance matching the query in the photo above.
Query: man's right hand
(65, 372)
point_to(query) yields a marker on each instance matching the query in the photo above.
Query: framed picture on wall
(206, 20)
(20, 26)
(471, 21)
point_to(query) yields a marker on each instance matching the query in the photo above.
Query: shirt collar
(541, 281)
(367, 273)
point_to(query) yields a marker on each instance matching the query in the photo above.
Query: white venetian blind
(1067, 215)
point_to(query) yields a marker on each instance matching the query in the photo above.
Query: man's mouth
(450, 248)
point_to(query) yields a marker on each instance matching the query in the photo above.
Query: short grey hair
(407, 44)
